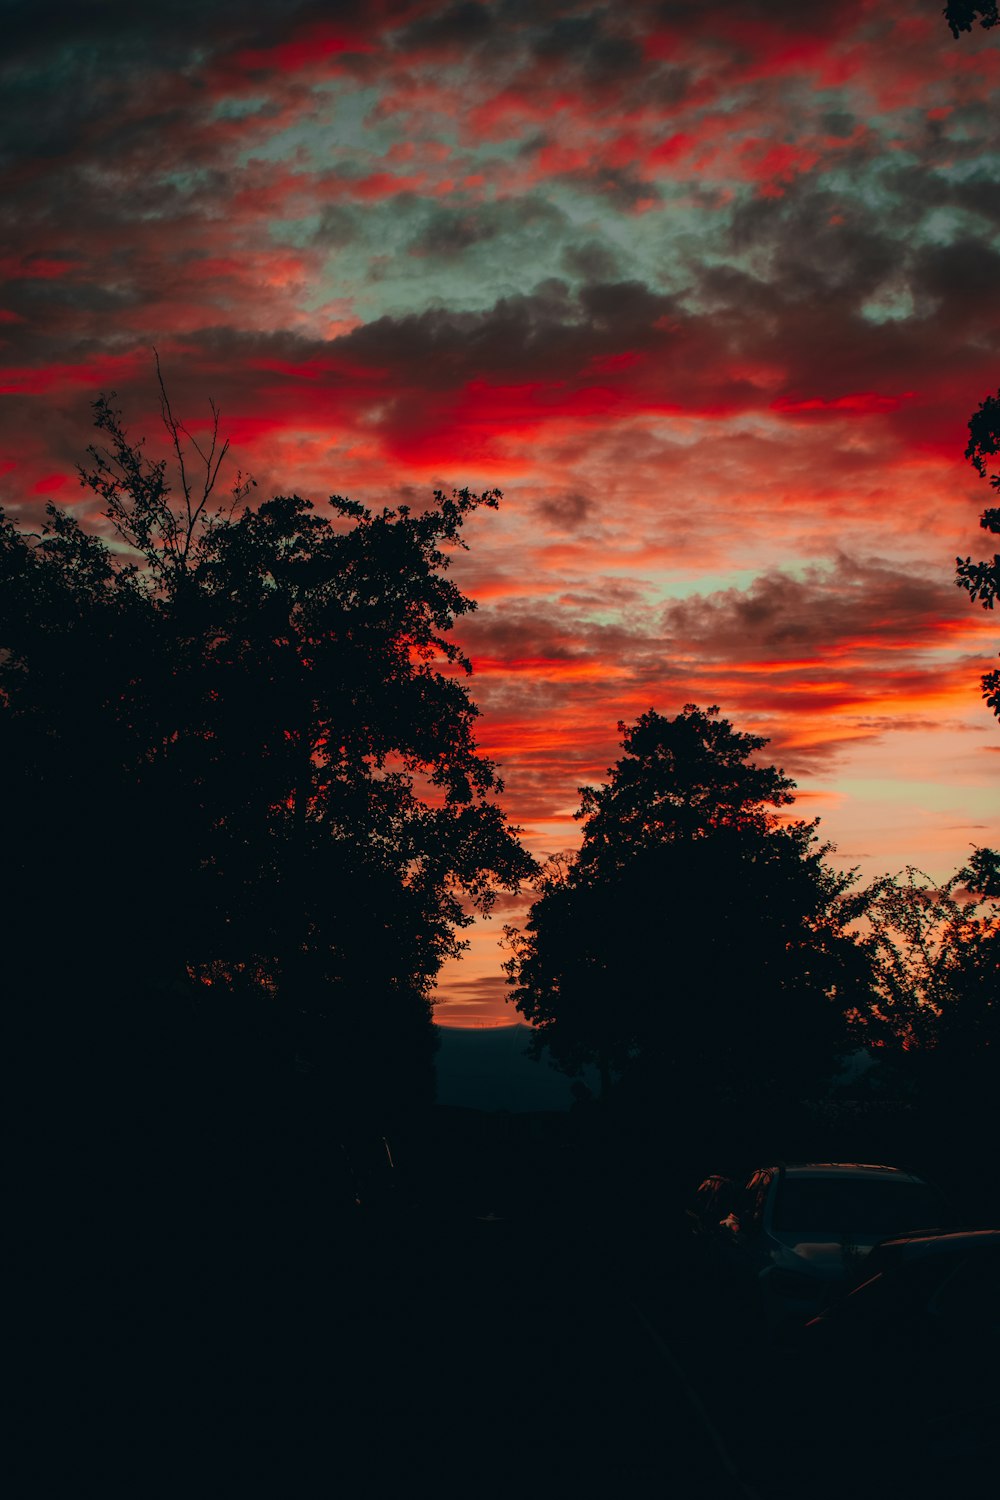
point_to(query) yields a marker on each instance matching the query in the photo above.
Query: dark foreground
(516, 1316)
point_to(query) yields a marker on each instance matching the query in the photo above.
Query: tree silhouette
(962, 15)
(698, 946)
(982, 579)
(937, 952)
(933, 1017)
(244, 813)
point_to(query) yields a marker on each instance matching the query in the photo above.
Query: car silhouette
(799, 1234)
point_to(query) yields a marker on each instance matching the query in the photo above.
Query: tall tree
(243, 800)
(698, 946)
(982, 579)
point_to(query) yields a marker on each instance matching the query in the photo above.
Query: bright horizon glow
(483, 1024)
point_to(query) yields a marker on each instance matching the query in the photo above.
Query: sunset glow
(710, 292)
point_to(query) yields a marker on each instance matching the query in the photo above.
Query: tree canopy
(697, 946)
(240, 765)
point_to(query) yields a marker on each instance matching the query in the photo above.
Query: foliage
(698, 945)
(679, 779)
(243, 747)
(982, 579)
(936, 951)
(962, 15)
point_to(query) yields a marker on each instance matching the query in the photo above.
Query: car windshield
(874, 1207)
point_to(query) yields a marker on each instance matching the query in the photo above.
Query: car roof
(846, 1169)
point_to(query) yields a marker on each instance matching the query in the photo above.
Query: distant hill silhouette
(486, 1068)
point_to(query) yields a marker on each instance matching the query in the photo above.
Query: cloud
(850, 607)
(708, 290)
(839, 656)
(566, 512)
(449, 231)
(453, 29)
(591, 262)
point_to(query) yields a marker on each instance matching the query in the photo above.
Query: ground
(519, 1317)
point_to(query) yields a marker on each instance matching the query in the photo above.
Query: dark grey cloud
(594, 49)
(530, 632)
(623, 304)
(81, 70)
(789, 15)
(963, 277)
(466, 24)
(449, 230)
(570, 36)
(815, 245)
(568, 511)
(591, 261)
(866, 602)
(847, 249)
(840, 123)
(338, 226)
(883, 298)
(603, 594)
(62, 304)
(978, 193)
(547, 332)
(603, 54)
(31, 27)
(623, 189)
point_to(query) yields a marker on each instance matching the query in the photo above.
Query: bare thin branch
(174, 430)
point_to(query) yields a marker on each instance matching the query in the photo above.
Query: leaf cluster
(962, 15)
(982, 579)
(936, 958)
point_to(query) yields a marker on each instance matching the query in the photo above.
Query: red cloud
(98, 373)
(35, 267)
(311, 47)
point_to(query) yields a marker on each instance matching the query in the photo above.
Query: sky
(708, 290)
